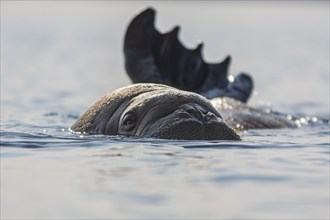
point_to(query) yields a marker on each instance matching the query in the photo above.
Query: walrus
(154, 110)
(176, 94)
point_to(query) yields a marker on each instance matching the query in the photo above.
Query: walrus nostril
(199, 113)
(205, 116)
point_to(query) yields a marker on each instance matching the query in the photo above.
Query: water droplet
(231, 78)
(303, 120)
(297, 122)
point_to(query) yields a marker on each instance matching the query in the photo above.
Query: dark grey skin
(157, 111)
(241, 116)
(160, 111)
(154, 57)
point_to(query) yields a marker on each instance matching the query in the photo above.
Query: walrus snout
(199, 113)
(191, 122)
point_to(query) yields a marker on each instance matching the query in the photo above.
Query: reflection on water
(54, 65)
(272, 173)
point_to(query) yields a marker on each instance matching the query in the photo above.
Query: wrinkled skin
(159, 111)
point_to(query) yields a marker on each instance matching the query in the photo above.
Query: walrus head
(153, 110)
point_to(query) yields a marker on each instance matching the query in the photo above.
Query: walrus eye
(129, 122)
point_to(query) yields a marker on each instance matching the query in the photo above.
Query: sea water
(57, 58)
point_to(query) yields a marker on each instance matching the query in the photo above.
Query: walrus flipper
(154, 57)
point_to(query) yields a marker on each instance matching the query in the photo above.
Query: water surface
(57, 58)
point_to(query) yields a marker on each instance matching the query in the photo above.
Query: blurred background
(69, 53)
(58, 57)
